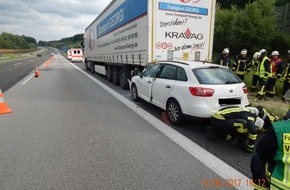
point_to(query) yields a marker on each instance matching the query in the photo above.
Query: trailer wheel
(86, 65)
(92, 68)
(123, 78)
(109, 73)
(116, 75)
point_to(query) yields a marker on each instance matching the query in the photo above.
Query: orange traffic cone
(3, 106)
(36, 73)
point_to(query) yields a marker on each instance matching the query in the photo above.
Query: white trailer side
(129, 34)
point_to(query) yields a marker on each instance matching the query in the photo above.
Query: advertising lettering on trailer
(184, 27)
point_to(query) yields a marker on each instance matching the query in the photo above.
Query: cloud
(48, 20)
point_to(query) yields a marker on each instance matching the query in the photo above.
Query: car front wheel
(174, 112)
(134, 93)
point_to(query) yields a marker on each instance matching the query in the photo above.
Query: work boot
(258, 98)
(211, 133)
(246, 147)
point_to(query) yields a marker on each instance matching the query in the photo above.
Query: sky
(48, 20)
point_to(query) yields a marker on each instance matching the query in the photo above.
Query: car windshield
(216, 76)
(151, 71)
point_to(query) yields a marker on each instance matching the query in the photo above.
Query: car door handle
(149, 81)
(168, 86)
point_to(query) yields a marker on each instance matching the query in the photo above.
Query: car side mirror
(140, 74)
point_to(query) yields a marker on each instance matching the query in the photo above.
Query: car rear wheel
(134, 93)
(174, 112)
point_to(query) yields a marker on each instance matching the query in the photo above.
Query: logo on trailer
(158, 45)
(187, 1)
(183, 35)
(164, 45)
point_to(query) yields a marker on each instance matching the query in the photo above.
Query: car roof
(193, 64)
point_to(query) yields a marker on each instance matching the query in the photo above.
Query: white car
(189, 88)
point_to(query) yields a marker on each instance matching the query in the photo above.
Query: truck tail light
(245, 89)
(200, 91)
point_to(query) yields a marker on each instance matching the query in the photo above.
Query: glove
(265, 79)
(282, 79)
(259, 123)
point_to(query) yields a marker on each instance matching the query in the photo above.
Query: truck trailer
(129, 34)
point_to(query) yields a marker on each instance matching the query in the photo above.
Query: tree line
(243, 3)
(253, 27)
(11, 41)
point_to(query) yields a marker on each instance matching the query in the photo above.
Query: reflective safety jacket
(223, 60)
(275, 147)
(277, 66)
(286, 73)
(255, 65)
(236, 113)
(280, 178)
(241, 65)
(265, 68)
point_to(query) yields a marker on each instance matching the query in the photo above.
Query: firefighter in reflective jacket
(255, 65)
(224, 59)
(240, 123)
(242, 64)
(285, 77)
(277, 69)
(271, 160)
(265, 71)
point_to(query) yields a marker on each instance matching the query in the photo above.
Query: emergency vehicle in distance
(129, 34)
(75, 55)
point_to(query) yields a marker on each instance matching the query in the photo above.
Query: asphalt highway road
(71, 129)
(13, 71)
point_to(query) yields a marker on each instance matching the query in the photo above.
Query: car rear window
(216, 76)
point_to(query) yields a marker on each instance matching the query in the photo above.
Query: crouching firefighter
(270, 164)
(242, 124)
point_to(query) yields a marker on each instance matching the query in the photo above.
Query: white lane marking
(17, 64)
(28, 78)
(211, 161)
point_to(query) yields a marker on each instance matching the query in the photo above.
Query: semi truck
(128, 35)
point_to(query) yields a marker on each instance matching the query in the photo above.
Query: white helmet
(256, 55)
(275, 53)
(259, 123)
(253, 110)
(244, 51)
(226, 50)
(263, 51)
(288, 51)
